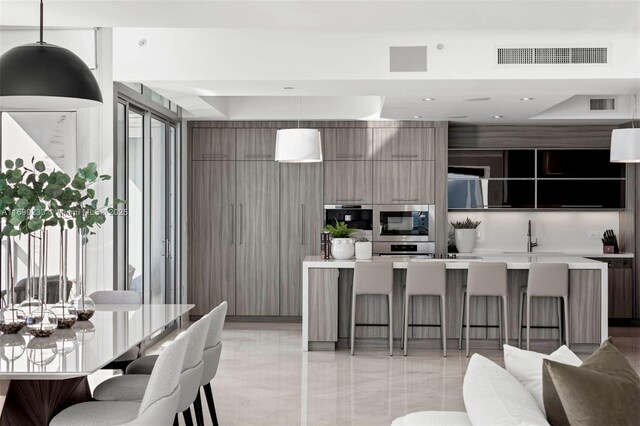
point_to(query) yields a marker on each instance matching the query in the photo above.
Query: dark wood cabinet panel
(403, 182)
(577, 163)
(348, 182)
(347, 144)
(493, 164)
(404, 144)
(584, 193)
(211, 236)
(256, 144)
(300, 227)
(257, 222)
(213, 144)
(620, 287)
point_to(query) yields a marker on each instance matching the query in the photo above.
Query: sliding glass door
(148, 145)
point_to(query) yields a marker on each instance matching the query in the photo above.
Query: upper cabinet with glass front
(535, 179)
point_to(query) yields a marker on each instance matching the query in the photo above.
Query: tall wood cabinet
(257, 223)
(212, 250)
(300, 227)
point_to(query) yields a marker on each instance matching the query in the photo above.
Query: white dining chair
(119, 297)
(157, 407)
(130, 387)
(210, 356)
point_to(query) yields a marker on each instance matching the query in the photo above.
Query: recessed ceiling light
(457, 116)
(428, 99)
(288, 88)
(526, 99)
(416, 116)
(497, 116)
(478, 99)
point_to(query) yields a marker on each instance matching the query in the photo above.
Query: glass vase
(64, 310)
(12, 346)
(41, 352)
(83, 306)
(12, 319)
(31, 303)
(42, 323)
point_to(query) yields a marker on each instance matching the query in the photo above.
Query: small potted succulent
(342, 245)
(364, 249)
(465, 232)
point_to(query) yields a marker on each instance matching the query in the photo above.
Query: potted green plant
(465, 234)
(342, 245)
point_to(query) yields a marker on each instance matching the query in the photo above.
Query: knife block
(609, 249)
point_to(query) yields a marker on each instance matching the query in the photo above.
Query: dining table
(41, 376)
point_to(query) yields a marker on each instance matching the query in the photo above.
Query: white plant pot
(342, 248)
(364, 250)
(465, 240)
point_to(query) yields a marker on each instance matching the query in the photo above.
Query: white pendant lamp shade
(625, 146)
(298, 146)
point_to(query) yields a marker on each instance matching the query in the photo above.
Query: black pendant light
(46, 76)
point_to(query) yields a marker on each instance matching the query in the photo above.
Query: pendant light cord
(41, 22)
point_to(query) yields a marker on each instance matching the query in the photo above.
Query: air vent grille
(552, 55)
(602, 104)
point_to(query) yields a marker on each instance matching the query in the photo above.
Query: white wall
(555, 231)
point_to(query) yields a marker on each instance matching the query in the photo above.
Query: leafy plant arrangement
(340, 230)
(466, 224)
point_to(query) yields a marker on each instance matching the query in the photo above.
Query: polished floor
(265, 379)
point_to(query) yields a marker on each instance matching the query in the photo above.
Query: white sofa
(497, 396)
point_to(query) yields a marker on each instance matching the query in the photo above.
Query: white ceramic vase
(465, 240)
(364, 250)
(342, 248)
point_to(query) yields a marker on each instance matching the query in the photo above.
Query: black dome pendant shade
(46, 76)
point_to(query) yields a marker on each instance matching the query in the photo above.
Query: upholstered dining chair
(158, 404)
(131, 387)
(210, 356)
(119, 297)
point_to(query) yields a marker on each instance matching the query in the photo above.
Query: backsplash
(555, 231)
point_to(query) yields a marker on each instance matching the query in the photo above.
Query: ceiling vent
(602, 104)
(408, 58)
(552, 55)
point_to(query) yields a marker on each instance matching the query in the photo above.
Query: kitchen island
(326, 304)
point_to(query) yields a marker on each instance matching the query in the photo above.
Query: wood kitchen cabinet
(211, 236)
(620, 287)
(213, 144)
(300, 228)
(348, 182)
(415, 144)
(347, 144)
(255, 144)
(257, 223)
(403, 182)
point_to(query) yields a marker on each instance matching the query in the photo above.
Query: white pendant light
(298, 145)
(625, 143)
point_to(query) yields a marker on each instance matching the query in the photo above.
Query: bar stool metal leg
(462, 305)
(558, 301)
(405, 328)
(499, 306)
(565, 300)
(522, 295)
(468, 322)
(528, 319)
(352, 331)
(390, 297)
(443, 325)
(505, 310)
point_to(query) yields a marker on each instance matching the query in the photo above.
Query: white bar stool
(426, 278)
(546, 280)
(372, 278)
(485, 279)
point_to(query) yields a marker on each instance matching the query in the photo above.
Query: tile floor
(265, 379)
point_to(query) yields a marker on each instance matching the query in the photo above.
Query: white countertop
(622, 255)
(513, 262)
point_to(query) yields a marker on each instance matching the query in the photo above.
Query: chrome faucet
(530, 244)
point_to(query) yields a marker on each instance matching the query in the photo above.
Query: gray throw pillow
(604, 390)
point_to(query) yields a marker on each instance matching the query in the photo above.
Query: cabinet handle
(214, 155)
(349, 155)
(233, 223)
(258, 156)
(240, 222)
(349, 199)
(404, 155)
(302, 224)
(404, 199)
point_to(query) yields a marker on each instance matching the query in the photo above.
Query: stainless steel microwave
(403, 222)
